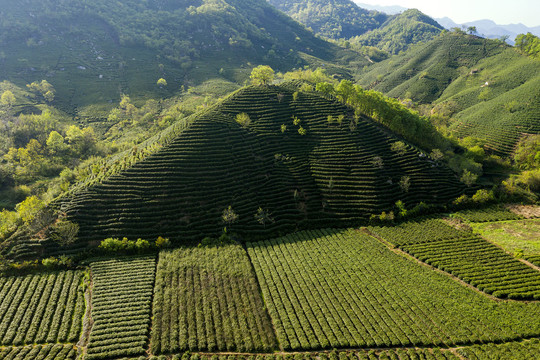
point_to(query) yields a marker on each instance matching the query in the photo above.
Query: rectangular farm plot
(207, 299)
(467, 256)
(332, 289)
(44, 308)
(121, 307)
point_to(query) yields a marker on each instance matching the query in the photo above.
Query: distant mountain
(488, 28)
(399, 32)
(332, 18)
(390, 10)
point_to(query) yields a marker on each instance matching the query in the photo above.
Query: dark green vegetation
(400, 32)
(466, 256)
(472, 85)
(207, 299)
(334, 19)
(292, 162)
(346, 289)
(121, 307)
(38, 309)
(92, 52)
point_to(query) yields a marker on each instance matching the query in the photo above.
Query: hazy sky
(502, 12)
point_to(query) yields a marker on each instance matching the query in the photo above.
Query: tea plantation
(289, 161)
(315, 294)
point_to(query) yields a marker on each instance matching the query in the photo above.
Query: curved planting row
(397, 354)
(525, 350)
(331, 289)
(329, 174)
(39, 309)
(207, 299)
(39, 352)
(121, 307)
(493, 213)
(468, 257)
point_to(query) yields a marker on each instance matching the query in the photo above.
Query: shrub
(243, 119)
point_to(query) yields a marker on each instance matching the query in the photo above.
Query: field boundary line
(88, 322)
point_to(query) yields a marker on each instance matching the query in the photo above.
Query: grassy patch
(521, 237)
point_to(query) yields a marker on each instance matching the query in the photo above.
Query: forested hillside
(333, 19)
(92, 52)
(400, 32)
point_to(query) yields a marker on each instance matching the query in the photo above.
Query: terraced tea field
(327, 175)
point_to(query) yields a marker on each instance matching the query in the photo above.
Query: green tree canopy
(7, 99)
(262, 75)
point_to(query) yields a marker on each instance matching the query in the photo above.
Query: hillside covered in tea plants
(474, 86)
(280, 158)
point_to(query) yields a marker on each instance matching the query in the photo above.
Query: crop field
(38, 309)
(526, 350)
(121, 307)
(467, 256)
(489, 214)
(39, 352)
(331, 289)
(207, 299)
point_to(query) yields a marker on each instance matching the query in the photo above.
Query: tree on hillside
(229, 216)
(162, 82)
(43, 88)
(7, 99)
(262, 75)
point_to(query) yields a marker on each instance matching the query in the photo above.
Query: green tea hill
(94, 51)
(286, 167)
(488, 88)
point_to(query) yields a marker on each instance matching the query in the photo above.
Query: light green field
(521, 237)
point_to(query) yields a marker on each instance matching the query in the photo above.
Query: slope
(273, 177)
(92, 51)
(401, 31)
(483, 84)
(334, 19)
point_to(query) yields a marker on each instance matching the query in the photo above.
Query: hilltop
(345, 20)
(481, 84)
(94, 51)
(333, 19)
(401, 31)
(301, 161)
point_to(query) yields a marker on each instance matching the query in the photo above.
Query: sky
(504, 12)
